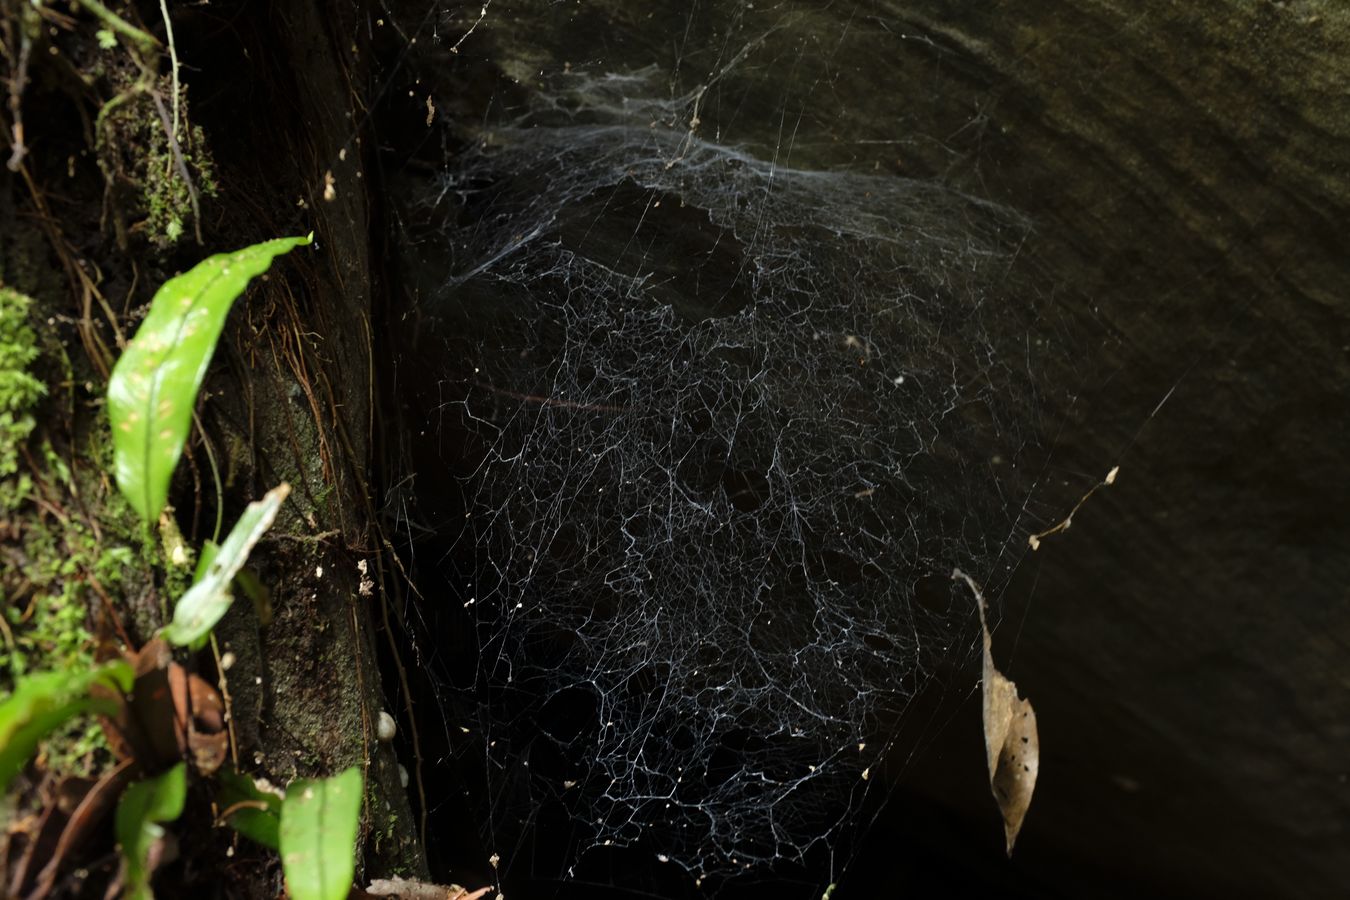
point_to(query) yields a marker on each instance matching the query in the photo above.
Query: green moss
(144, 168)
(71, 549)
(19, 389)
(164, 193)
(48, 598)
(47, 618)
(64, 565)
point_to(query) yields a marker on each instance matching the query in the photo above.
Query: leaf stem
(120, 25)
(173, 59)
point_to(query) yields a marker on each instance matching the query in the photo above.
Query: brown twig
(229, 704)
(236, 807)
(8, 634)
(180, 163)
(110, 609)
(17, 80)
(80, 282)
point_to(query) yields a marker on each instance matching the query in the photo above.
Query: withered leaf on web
(1011, 744)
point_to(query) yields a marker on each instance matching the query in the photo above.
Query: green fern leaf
(319, 822)
(209, 598)
(154, 385)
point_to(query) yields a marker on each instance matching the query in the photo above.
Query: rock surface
(1184, 642)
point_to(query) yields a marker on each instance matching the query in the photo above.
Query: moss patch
(156, 183)
(76, 566)
(19, 389)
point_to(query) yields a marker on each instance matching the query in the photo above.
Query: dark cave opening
(773, 311)
(673, 420)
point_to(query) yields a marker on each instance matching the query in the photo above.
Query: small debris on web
(1035, 540)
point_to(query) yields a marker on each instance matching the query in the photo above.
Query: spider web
(714, 426)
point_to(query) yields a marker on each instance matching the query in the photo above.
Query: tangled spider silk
(712, 419)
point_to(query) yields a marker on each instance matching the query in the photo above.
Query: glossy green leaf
(246, 582)
(154, 385)
(205, 557)
(254, 813)
(43, 702)
(319, 821)
(207, 601)
(137, 825)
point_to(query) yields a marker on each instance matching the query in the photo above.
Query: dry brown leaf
(170, 713)
(1011, 744)
(150, 721)
(33, 836)
(93, 807)
(200, 717)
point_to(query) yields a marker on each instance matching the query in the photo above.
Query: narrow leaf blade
(142, 808)
(43, 702)
(249, 810)
(319, 821)
(154, 385)
(208, 600)
(205, 557)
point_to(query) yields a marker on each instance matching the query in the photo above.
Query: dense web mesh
(714, 421)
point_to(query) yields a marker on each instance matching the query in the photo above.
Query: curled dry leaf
(170, 713)
(1011, 744)
(153, 730)
(199, 716)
